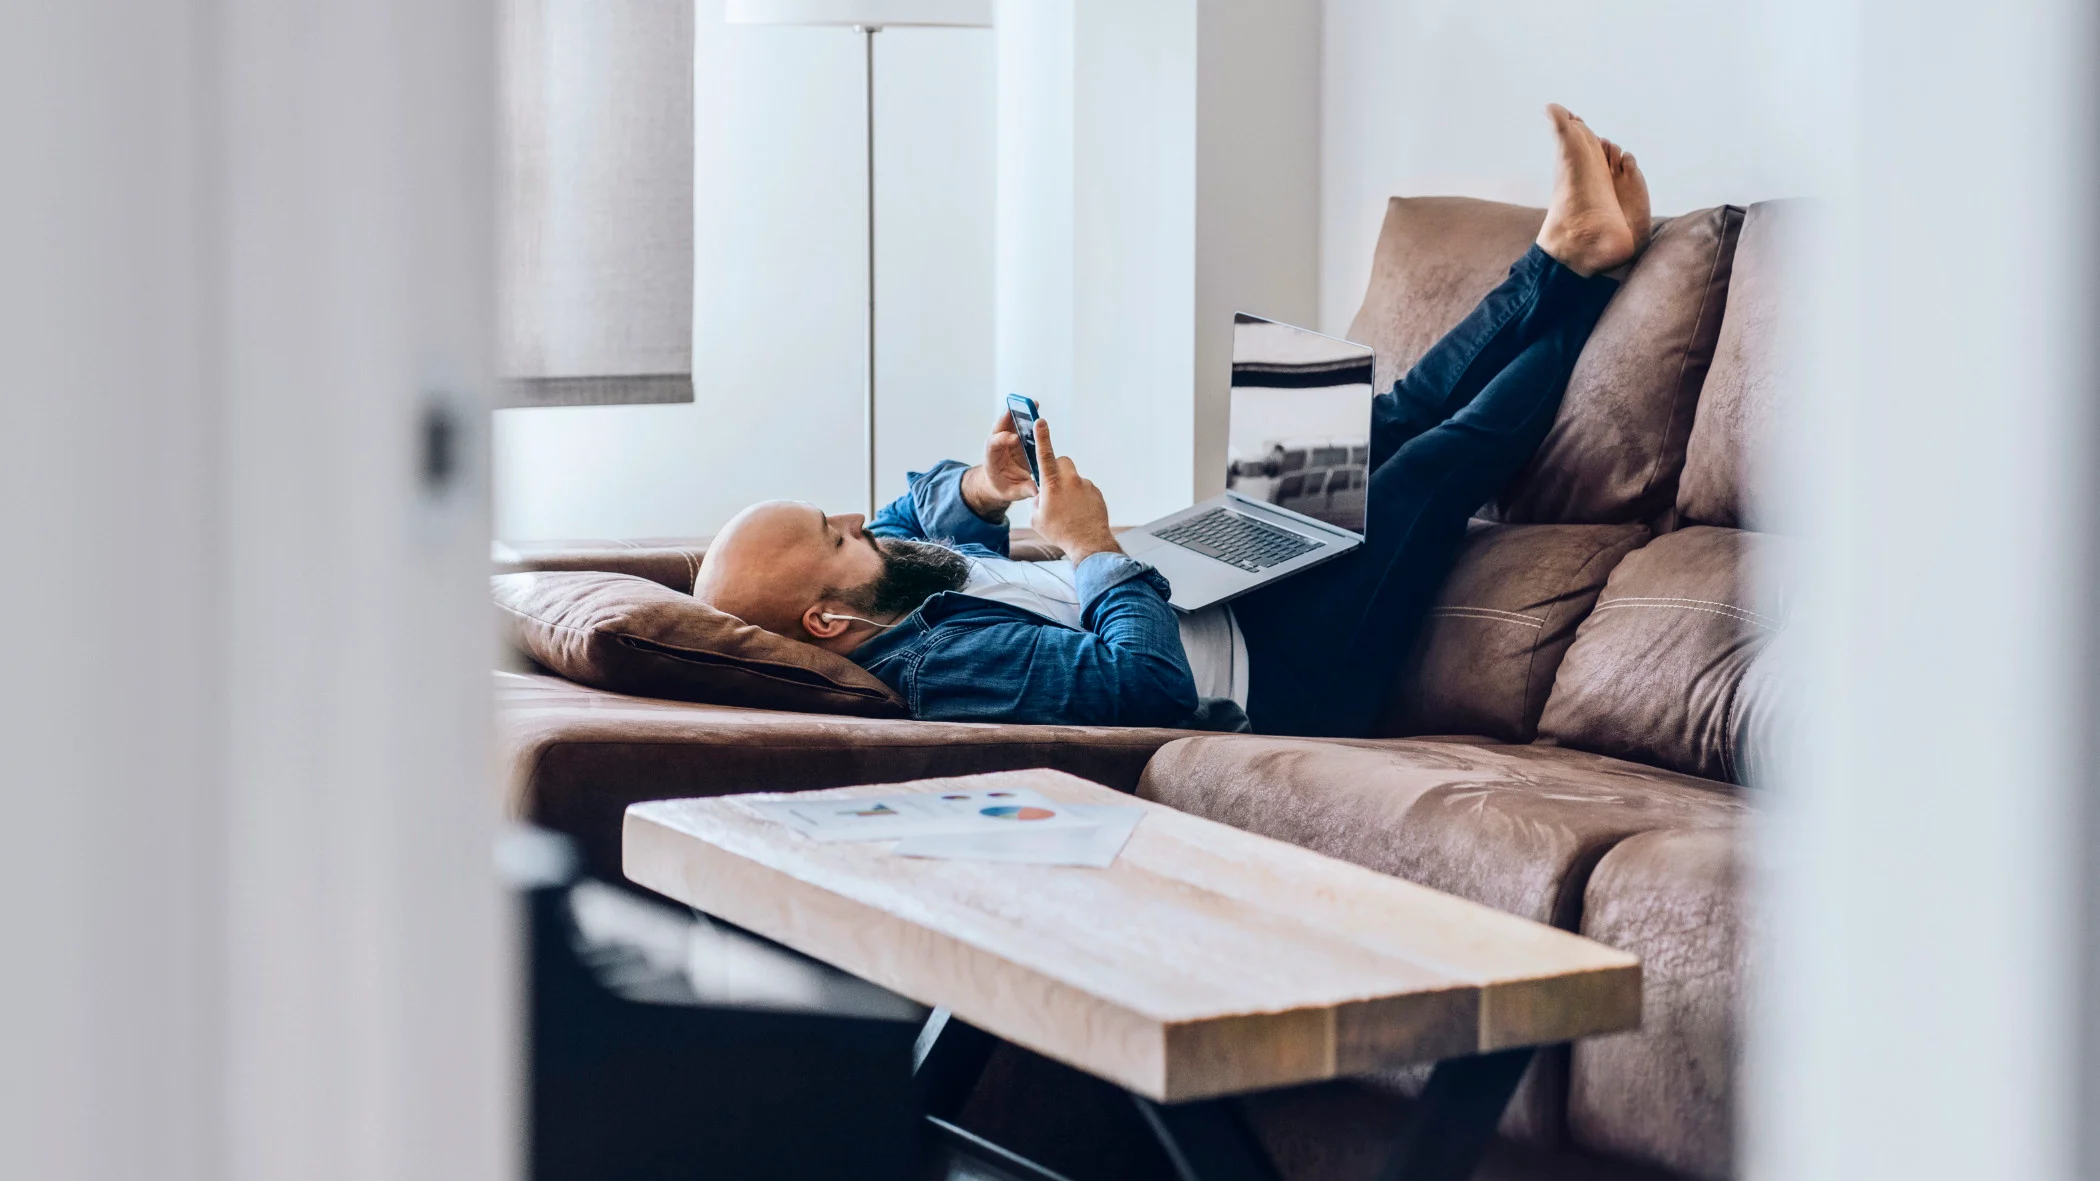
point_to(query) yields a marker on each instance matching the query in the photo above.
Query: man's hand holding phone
(1003, 477)
(1069, 511)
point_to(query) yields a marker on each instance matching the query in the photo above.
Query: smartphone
(1024, 414)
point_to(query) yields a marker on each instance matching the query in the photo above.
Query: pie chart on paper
(1017, 812)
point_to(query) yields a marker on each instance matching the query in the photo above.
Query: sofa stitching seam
(1774, 622)
(1736, 616)
(1490, 615)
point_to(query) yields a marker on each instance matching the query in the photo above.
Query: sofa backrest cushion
(1615, 450)
(1748, 374)
(1436, 258)
(1671, 667)
(629, 634)
(1489, 650)
(670, 561)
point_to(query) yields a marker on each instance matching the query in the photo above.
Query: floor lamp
(866, 17)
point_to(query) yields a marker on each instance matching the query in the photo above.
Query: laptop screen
(1299, 435)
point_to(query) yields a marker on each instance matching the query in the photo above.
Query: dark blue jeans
(1324, 646)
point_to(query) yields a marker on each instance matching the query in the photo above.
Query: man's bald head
(784, 565)
(775, 559)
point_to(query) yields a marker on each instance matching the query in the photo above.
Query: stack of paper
(1001, 824)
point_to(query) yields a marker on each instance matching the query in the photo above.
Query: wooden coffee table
(1206, 963)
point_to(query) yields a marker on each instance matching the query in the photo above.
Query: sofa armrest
(577, 757)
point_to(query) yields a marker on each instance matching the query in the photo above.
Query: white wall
(1158, 170)
(1257, 191)
(1444, 96)
(779, 293)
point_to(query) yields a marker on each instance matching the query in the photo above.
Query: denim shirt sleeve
(934, 510)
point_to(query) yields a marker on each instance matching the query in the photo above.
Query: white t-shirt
(1211, 638)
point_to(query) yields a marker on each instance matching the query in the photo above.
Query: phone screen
(1024, 416)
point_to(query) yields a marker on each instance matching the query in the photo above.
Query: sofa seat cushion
(1514, 827)
(1508, 611)
(1666, 1094)
(578, 756)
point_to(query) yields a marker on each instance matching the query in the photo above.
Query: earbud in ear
(855, 618)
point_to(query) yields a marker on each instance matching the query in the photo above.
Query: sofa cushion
(1749, 374)
(1662, 671)
(1617, 446)
(1514, 827)
(1436, 258)
(632, 635)
(578, 756)
(1488, 651)
(1616, 449)
(1666, 1093)
(671, 561)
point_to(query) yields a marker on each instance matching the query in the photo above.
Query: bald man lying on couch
(925, 597)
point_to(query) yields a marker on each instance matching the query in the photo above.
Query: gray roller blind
(597, 236)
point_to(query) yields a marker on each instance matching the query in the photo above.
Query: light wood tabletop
(1206, 961)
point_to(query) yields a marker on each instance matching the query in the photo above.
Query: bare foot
(1632, 188)
(1585, 229)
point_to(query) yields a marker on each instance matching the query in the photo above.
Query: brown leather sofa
(1568, 743)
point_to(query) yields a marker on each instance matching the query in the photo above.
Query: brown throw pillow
(1491, 645)
(631, 635)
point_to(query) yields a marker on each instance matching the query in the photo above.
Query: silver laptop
(1297, 469)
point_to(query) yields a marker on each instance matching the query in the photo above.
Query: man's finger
(1045, 454)
(1005, 424)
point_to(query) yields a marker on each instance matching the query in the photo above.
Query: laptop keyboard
(1238, 540)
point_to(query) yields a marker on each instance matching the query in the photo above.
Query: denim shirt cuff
(944, 515)
(1105, 571)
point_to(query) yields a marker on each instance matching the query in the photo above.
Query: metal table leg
(1447, 1130)
(1453, 1121)
(947, 1061)
(1208, 1140)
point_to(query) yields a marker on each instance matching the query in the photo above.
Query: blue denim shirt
(964, 659)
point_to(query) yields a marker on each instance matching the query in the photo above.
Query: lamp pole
(867, 39)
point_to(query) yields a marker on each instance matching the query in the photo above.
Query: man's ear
(821, 628)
